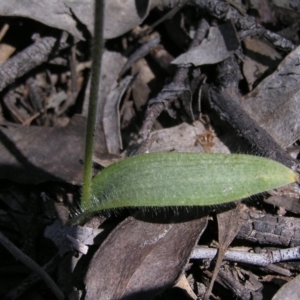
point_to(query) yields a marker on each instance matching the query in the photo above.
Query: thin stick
(93, 101)
(263, 259)
(31, 264)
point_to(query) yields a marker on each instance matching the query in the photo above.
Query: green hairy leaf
(184, 179)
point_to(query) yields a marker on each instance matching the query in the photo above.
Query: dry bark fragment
(248, 25)
(23, 62)
(273, 230)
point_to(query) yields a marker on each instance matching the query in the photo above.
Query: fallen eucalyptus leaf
(54, 13)
(259, 58)
(289, 291)
(229, 224)
(32, 154)
(288, 203)
(141, 257)
(278, 99)
(111, 117)
(184, 285)
(187, 138)
(120, 16)
(112, 63)
(219, 45)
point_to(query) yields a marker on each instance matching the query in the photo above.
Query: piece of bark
(223, 10)
(142, 257)
(228, 280)
(57, 234)
(28, 59)
(277, 269)
(272, 230)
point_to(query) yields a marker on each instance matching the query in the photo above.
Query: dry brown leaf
(288, 203)
(229, 224)
(186, 138)
(6, 51)
(142, 257)
(278, 99)
(112, 63)
(184, 284)
(289, 291)
(31, 154)
(259, 58)
(140, 88)
(120, 16)
(219, 45)
(111, 117)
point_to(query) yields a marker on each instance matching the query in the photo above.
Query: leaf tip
(295, 177)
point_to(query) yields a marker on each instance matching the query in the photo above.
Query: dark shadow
(142, 7)
(229, 35)
(26, 169)
(180, 214)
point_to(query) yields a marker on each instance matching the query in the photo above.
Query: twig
(229, 223)
(169, 94)
(31, 280)
(26, 60)
(3, 31)
(262, 259)
(223, 10)
(227, 279)
(141, 52)
(26, 260)
(169, 15)
(224, 100)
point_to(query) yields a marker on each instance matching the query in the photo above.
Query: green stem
(93, 101)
